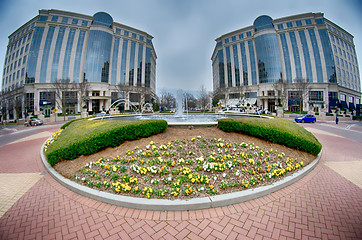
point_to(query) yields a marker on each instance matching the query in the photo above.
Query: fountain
(179, 118)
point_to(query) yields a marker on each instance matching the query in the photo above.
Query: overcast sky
(184, 31)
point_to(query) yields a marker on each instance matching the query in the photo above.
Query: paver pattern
(322, 205)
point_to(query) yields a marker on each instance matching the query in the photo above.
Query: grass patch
(277, 130)
(84, 137)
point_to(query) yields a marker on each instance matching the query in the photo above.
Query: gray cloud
(184, 31)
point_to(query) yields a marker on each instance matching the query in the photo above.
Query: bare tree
(280, 88)
(136, 93)
(204, 97)
(167, 100)
(191, 100)
(302, 87)
(61, 86)
(83, 89)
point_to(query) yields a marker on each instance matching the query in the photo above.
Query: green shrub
(277, 130)
(84, 137)
(329, 114)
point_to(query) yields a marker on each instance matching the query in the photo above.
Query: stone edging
(177, 205)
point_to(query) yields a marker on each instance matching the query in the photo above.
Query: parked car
(306, 118)
(33, 122)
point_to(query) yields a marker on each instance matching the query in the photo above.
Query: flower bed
(196, 167)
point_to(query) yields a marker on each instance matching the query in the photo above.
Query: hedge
(84, 137)
(277, 130)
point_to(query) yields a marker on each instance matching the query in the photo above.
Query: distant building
(107, 60)
(302, 60)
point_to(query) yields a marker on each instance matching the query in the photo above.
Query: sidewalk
(322, 205)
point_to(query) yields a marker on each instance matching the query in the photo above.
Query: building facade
(301, 61)
(68, 62)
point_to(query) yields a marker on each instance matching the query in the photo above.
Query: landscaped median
(84, 137)
(182, 174)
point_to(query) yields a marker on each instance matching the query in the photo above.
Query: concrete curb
(177, 205)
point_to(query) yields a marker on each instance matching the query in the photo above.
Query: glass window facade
(298, 67)
(252, 63)
(245, 63)
(220, 55)
(67, 55)
(317, 57)
(267, 52)
(114, 60)
(328, 56)
(139, 66)
(58, 46)
(288, 68)
(78, 57)
(124, 62)
(148, 67)
(308, 65)
(33, 54)
(228, 66)
(131, 64)
(96, 67)
(236, 64)
(44, 62)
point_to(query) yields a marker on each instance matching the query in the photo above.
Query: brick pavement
(322, 205)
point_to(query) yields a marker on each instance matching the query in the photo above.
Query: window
(149, 41)
(85, 23)
(141, 38)
(316, 96)
(226, 40)
(233, 38)
(43, 18)
(308, 22)
(118, 31)
(343, 97)
(241, 36)
(333, 95)
(55, 19)
(299, 23)
(319, 21)
(134, 35)
(65, 20)
(126, 33)
(280, 26)
(248, 34)
(75, 21)
(289, 24)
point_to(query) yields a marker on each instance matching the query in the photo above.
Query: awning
(344, 104)
(333, 102)
(351, 106)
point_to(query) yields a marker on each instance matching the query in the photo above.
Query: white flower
(207, 166)
(135, 168)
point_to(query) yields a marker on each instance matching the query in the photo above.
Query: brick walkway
(324, 204)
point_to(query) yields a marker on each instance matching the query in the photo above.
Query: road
(325, 204)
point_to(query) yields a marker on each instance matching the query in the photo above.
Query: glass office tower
(253, 62)
(114, 60)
